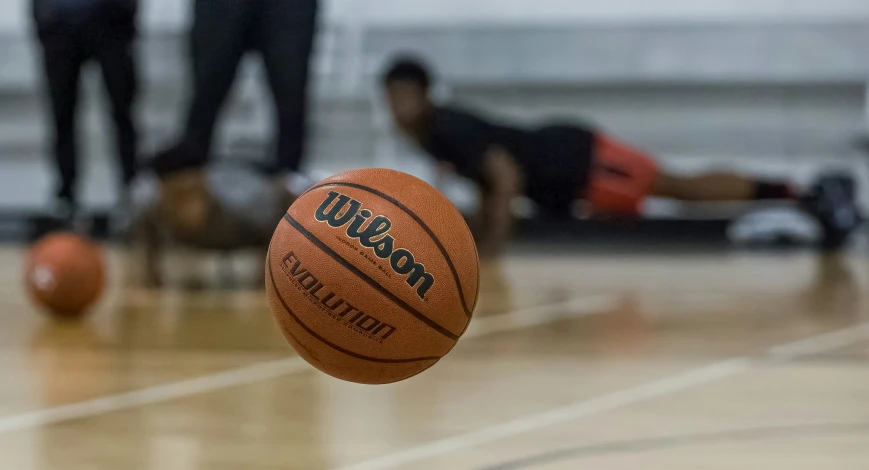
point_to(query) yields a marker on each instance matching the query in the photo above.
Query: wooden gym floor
(713, 361)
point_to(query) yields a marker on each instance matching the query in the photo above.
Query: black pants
(64, 54)
(282, 31)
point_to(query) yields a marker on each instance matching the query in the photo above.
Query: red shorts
(621, 177)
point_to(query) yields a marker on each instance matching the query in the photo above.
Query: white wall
(13, 15)
(172, 14)
(440, 11)
(156, 14)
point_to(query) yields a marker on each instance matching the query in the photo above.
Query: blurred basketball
(372, 276)
(65, 275)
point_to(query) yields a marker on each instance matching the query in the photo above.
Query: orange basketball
(372, 276)
(65, 275)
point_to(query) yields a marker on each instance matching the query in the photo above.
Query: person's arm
(503, 183)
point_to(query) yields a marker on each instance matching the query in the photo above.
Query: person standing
(282, 32)
(72, 33)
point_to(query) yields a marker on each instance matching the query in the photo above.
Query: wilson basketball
(65, 275)
(372, 276)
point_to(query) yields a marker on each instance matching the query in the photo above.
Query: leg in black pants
(284, 35)
(218, 41)
(115, 56)
(63, 57)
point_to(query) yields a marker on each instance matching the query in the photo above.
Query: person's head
(407, 81)
(184, 200)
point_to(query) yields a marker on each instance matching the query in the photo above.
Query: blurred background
(765, 86)
(615, 358)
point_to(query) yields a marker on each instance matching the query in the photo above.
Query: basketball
(65, 275)
(372, 276)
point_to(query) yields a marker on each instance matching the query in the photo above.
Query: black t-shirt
(554, 159)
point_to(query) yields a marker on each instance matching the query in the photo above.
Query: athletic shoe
(832, 201)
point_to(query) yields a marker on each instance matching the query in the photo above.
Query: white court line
(540, 315)
(513, 320)
(619, 399)
(822, 343)
(146, 396)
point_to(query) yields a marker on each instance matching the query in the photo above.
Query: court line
(512, 320)
(528, 317)
(671, 441)
(171, 391)
(819, 344)
(615, 400)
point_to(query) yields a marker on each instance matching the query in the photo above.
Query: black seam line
(421, 224)
(371, 282)
(329, 343)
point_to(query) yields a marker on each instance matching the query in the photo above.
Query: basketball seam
(467, 311)
(368, 280)
(327, 342)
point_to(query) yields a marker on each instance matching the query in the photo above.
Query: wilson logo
(339, 210)
(333, 305)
